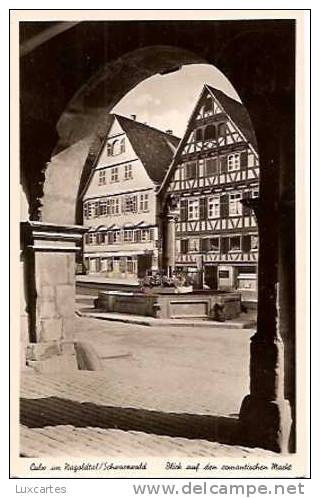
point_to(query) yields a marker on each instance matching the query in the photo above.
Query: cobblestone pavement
(161, 392)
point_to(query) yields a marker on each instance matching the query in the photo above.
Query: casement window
(233, 162)
(254, 242)
(122, 265)
(128, 235)
(214, 244)
(102, 177)
(100, 238)
(130, 204)
(90, 238)
(87, 210)
(103, 208)
(199, 134)
(210, 132)
(97, 209)
(203, 208)
(116, 148)
(214, 206)
(115, 206)
(122, 145)
(130, 265)
(190, 170)
(194, 245)
(128, 171)
(235, 206)
(137, 235)
(114, 174)
(204, 245)
(184, 246)
(193, 209)
(222, 127)
(201, 168)
(109, 149)
(144, 203)
(235, 243)
(212, 166)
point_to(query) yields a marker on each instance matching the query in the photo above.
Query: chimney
(134, 117)
(169, 132)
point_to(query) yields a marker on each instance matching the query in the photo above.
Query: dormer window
(122, 146)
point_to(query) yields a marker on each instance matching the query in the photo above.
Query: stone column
(49, 254)
(171, 243)
(265, 415)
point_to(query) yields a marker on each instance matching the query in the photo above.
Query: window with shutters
(224, 205)
(130, 204)
(114, 174)
(193, 209)
(184, 244)
(102, 177)
(214, 207)
(254, 242)
(244, 159)
(233, 162)
(235, 243)
(235, 206)
(183, 210)
(214, 244)
(128, 172)
(211, 166)
(190, 170)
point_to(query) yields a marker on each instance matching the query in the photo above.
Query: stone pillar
(171, 243)
(265, 415)
(49, 255)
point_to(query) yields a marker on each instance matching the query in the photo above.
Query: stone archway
(51, 242)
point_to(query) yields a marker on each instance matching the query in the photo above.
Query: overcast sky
(166, 102)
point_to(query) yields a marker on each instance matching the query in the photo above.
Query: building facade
(215, 168)
(119, 201)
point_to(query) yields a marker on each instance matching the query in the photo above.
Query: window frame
(215, 197)
(234, 204)
(195, 210)
(114, 174)
(233, 162)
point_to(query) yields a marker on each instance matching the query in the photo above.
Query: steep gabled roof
(238, 113)
(154, 148)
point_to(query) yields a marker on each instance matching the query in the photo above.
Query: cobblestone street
(162, 391)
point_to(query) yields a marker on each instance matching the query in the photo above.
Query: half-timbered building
(215, 168)
(119, 201)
